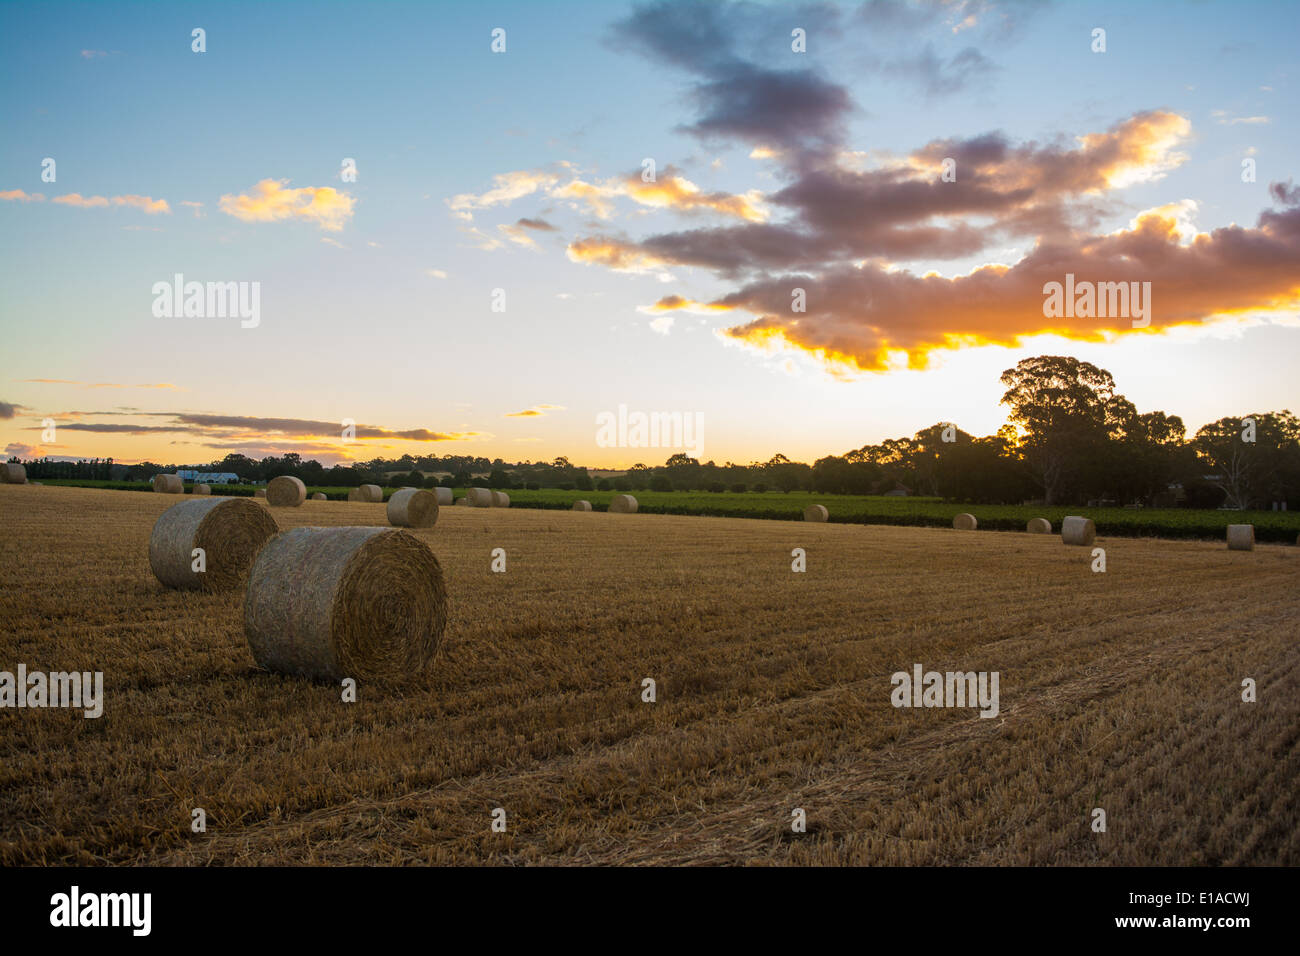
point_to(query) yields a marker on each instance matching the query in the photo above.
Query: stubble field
(1119, 690)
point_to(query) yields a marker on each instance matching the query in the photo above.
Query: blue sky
(356, 322)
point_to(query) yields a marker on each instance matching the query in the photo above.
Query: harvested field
(1119, 690)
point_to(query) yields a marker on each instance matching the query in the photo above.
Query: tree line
(1070, 438)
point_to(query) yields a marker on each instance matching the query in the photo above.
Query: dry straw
(500, 499)
(168, 484)
(229, 530)
(286, 492)
(816, 513)
(1076, 530)
(318, 496)
(201, 490)
(14, 474)
(259, 493)
(965, 522)
(479, 497)
(1241, 537)
(329, 603)
(1039, 526)
(623, 505)
(582, 505)
(463, 502)
(445, 496)
(413, 508)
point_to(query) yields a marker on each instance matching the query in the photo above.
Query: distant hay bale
(479, 497)
(413, 508)
(623, 505)
(318, 496)
(259, 492)
(582, 505)
(329, 603)
(965, 522)
(445, 496)
(286, 492)
(354, 494)
(1241, 537)
(463, 502)
(816, 513)
(14, 474)
(1076, 530)
(373, 493)
(168, 484)
(229, 530)
(201, 490)
(500, 499)
(1039, 526)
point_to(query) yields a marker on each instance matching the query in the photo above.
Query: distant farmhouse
(207, 477)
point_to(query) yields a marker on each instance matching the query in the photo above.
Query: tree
(1061, 409)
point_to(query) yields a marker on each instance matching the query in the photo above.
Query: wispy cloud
(17, 195)
(535, 412)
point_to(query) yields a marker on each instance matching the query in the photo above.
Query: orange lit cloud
(270, 201)
(17, 195)
(535, 412)
(613, 254)
(80, 201)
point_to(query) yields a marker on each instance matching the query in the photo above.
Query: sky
(615, 210)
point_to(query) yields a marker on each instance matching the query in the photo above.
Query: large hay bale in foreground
(318, 496)
(582, 505)
(259, 492)
(229, 530)
(1039, 526)
(413, 508)
(500, 499)
(623, 505)
(445, 495)
(965, 522)
(13, 473)
(286, 492)
(329, 603)
(479, 497)
(816, 513)
(1241, 537)
(1076, 530)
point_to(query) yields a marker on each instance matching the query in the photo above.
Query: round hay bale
(259, 492)
(1241, 537)
(355, 494)
(286, 492)
(445, 496)
(816, 513)
(329, 603)
(318, 496)
(464, 502)
(479, 497)
(14, 474)
(500, 499)
(582, 505)
(965, 522)
(1039, 526)
(168, 484)
(229, 530)
(623, 505)
(413, 508)
(201, 489)
(372, 493)
(1076, 530)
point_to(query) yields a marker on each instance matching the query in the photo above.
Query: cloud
(613, 254)
(517, 235)
(535, 412)
(270, 201)
(9, 409)
(17, 195)
(506, 189)
(662, 324)
(19, 450)
(64, 381)
(539, 225)
(196, 206)
(1226, 119)
(936, 75)
(80, 201)
(870, 318)
(436, 273)
(91, 54)
(146, 203)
